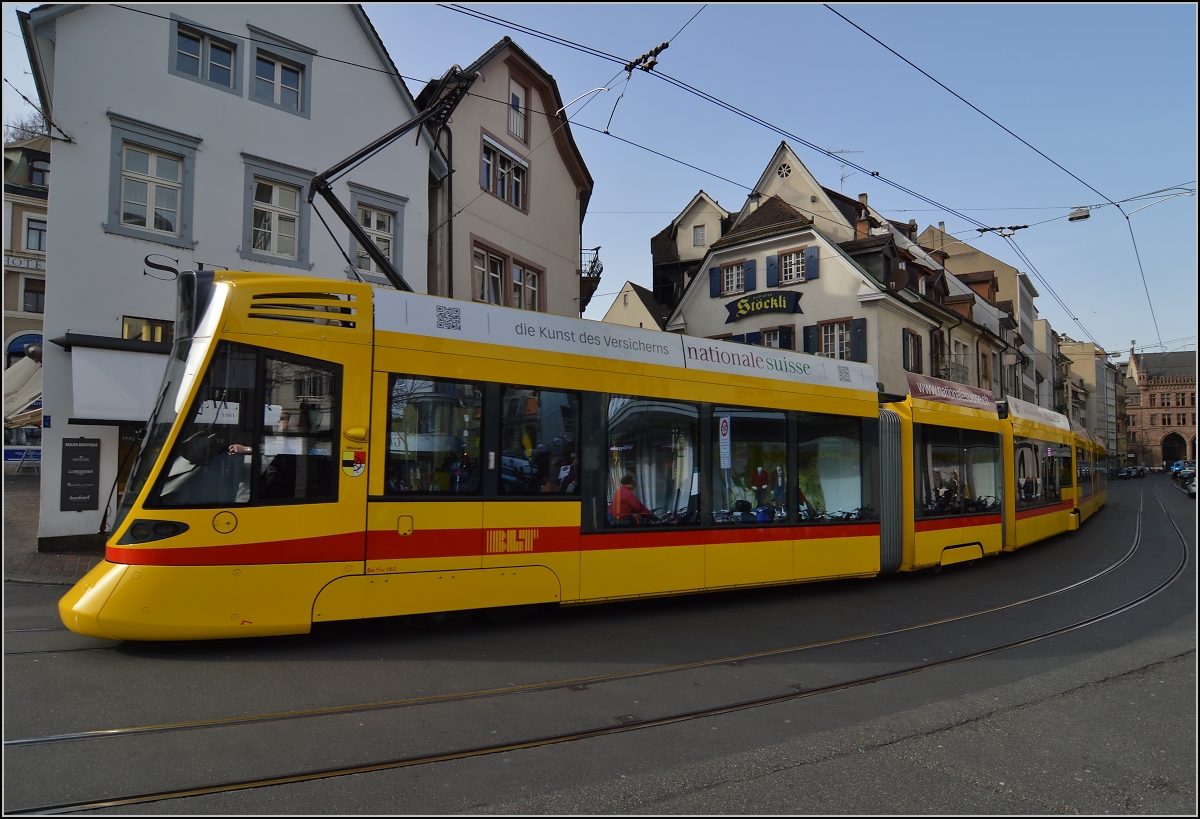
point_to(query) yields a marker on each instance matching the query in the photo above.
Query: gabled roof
(563, 137)
(1167, 365)
(771, 218)
(647, 299)
(976, 277)
(868, 243)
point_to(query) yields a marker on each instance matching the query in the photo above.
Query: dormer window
(39, 173)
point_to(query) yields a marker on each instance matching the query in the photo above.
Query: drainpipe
(449, 213)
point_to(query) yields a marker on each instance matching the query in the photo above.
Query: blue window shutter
(812, 262)
(787, 339)
(741, 339)
(858, 339)
(811, 339)
(714, 282)
(772, 271)
(751, 283)
(754, 338)
(904, 334)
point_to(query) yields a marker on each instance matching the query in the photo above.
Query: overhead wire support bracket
(435, 116)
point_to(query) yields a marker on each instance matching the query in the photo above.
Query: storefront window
(750, 477)
(830, 477)
(433, 436)
(653, 464)
(538, 431)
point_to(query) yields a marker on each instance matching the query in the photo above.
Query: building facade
(26, 188)
(506, 227)
(1098, 377)
(195, 146)
(804, 267)
(1161, 407)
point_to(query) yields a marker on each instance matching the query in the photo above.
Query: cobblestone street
(22, 561)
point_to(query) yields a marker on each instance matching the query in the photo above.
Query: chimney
(862, 229)
(942, 227)
(862, 197)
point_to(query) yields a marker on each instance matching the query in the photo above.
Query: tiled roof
(865, 244)
(773, 217)
(1007, 307)
(1168, 365)
(978, 276)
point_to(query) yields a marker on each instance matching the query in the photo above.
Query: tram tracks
(437, 699)
(637, 724)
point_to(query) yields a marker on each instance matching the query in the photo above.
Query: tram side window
(433, 436)
(830, 477)
(981, 471)
(1066, 474)
(939, 473)
(539, 431)
(211, 463)
(1036, 470)
(296, 459)
(653, 462)
(750, 476)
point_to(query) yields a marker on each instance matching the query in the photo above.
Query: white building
(188, 136)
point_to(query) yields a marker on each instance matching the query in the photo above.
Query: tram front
(248, 494)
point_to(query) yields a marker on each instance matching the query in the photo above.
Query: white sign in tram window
(212, 412)
(726, 457)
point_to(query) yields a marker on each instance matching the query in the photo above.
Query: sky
(1106, 91)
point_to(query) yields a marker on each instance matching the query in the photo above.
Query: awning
(23, 393)
(115, 385)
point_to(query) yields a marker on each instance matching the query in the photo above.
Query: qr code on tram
(449, 318)
(843, 373)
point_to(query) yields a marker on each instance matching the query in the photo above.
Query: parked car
(1123, 474)
(1191, 488)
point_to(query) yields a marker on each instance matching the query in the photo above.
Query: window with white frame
(835, 339)
(151, 183)
(278, 82)
(733, 278)
(770, 338)
(504, 176)
(200, 56)
(489, 276)
(517, 109)
(697, 235)
(525, 287)
(791, 267)
(380, 226)
(35, 235)
(276, 213)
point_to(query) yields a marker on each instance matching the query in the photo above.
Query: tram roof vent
(326, 309)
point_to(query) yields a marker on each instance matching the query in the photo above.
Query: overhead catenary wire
(764, 123)
(1137, 254)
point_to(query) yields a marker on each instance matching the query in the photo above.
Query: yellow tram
(323, 451)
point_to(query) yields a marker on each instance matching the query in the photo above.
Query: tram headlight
(145, 531)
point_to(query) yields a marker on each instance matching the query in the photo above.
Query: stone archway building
(1162, 412)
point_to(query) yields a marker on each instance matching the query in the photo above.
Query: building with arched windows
(1162, 413)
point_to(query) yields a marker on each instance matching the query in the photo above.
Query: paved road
(1098, 719)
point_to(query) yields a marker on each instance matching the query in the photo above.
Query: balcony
(954, 368)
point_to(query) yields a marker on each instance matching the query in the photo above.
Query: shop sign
(80, 475)
(31, 264)
(785, 301)
(949, 392)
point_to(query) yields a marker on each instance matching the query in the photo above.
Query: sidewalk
(22, 561)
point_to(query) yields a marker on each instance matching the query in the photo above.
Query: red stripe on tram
(1045, 510)
(324, 549)
(957, 523)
